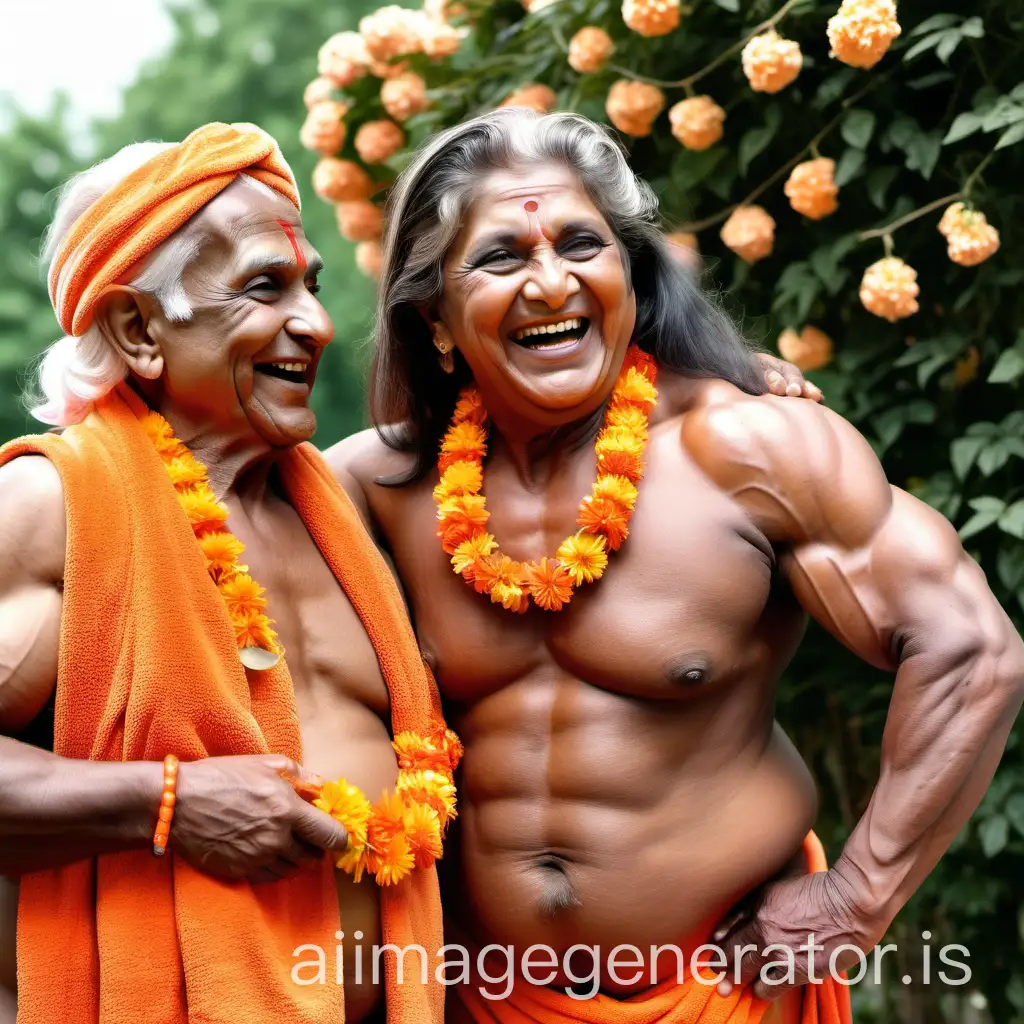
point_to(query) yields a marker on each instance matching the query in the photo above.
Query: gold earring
(444, 344)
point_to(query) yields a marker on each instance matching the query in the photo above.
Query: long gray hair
(411, 398)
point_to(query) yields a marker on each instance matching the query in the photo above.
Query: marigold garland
(604, 514)
(405, 828)
(242, 595)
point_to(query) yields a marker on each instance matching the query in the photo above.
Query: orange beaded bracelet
(167, 801)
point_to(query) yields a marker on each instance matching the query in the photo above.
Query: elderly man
(161, 710)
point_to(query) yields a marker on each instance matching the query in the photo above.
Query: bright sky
(89, 48)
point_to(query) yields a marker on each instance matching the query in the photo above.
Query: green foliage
(938, 394)
(231, 60)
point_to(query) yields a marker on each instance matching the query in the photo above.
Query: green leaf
(857, 128)
(1011, 136)
(993, 458)
(973, 28)
(732, 6)
(993, 833)
(950, 40)
(756, 140)
(962, 453)
(1003, 114)
(988, 503)
(690, 168)
(879, 180)
(1012, 520)
(850, 165)
(1010, 567)
(965, 124)
(928, 43)
(1009, 366)
(936, 21)
(923, 153)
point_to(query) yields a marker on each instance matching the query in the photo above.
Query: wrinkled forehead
(527, 200)
(242, 225)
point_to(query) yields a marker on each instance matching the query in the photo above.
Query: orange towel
(148, 666)
(127, 223)
(667, 1003)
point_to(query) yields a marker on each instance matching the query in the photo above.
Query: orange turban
(127, 223)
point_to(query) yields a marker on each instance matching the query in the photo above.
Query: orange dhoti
(671, 1002)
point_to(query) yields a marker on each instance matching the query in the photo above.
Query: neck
(539, 454)
(237, 464)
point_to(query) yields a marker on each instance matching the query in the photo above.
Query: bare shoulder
(34, 538)
(361, 459)
(799, 467)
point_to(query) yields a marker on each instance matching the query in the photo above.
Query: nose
(550, 282)
(311, 322)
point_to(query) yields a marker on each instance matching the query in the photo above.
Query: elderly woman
(610, 536)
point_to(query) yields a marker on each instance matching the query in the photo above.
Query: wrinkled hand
(785, 379)
(241, 818)
(787, 915)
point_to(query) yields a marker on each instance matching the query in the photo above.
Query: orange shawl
(669, 1002)
(148, 666)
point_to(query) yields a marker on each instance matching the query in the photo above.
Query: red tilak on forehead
(531, 206)
(299, 257)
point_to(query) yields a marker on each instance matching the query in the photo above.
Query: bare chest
(683, 605)
(340, 692)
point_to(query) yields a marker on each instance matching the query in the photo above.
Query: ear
(430, 314)
(124, 315)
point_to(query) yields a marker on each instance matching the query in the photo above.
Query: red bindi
(530, 206)
(296, 248)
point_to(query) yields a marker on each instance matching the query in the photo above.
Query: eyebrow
(510, 237)
(263, 264)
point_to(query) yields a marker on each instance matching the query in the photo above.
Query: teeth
(564, 325)
(289, 367)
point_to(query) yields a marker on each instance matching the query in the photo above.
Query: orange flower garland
(604, 514)
(405, 828)
(243, 596)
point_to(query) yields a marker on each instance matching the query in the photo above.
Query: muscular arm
(887, 575)
(52, 810)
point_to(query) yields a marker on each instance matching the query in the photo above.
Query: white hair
(75, 372)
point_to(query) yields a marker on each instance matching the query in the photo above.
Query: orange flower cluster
(651, 17)
(771, 62)
(970, 239)
(811, 188)
(360, 220)
(344, 59)
(540, 98)
(861, 31)
(750, 233)
(604, 514)
(242, 595)
(405, 828)
(404, 95)
(889, 289)
(633, 107)
(697, 122)
(809, 350)
(377, 141)
(324, 128)
(341, 181)
(590, 49)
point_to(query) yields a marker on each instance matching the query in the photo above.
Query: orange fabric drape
(667, 1003)
(126, 224)
(148, 665)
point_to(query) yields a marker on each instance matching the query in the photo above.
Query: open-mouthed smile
(293, 372)
(555, 333)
